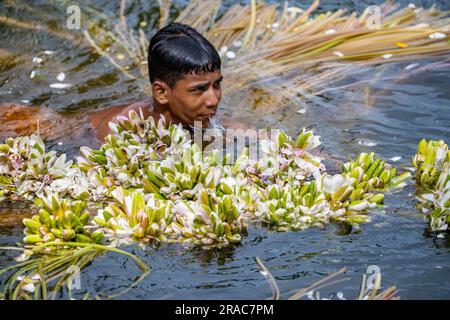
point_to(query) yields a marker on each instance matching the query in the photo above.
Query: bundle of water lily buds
(432, 162)
(195, 193)
(60, 220)
(148, 217)
(149, 182)
(124, 157)
(26, 171)
(299, 204)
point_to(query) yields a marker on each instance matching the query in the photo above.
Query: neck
(159, 109)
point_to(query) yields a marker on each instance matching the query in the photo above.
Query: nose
(213, 98)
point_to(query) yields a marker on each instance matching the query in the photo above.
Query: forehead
(193, 78)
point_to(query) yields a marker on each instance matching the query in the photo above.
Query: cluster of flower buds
(124, 157)
(155, 184)
(60, 220)
(26, 171)
(370, 172)
(134, 215)
(325, 198)
(432, 163)
(209, 220)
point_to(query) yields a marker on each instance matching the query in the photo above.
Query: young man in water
(184, 70)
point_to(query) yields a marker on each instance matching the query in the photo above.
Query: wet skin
(195, 97)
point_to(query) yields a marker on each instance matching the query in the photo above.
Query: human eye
(217, 84)
(199, 89)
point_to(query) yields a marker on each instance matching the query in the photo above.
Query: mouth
(207, 116)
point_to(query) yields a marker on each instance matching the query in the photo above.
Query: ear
(160, 91)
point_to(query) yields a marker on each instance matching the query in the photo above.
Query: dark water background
(397, 239)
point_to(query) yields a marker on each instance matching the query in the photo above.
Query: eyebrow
(202, 84)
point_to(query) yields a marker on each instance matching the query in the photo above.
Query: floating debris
(330, 31)
(61, 76)
(397, 158)
(338, 53)
(60, 85)
(367, 143)
(231, 55)
(32, 74)
(49, 52)
(437, 35)
(37, 60)
(421, 26)
(387, 56)
(237, 44)
(412, 66)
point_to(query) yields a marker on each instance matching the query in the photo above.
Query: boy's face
(195, 97)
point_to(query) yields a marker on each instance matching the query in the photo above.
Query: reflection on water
(383, 113)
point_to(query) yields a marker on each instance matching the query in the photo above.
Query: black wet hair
(177, 50)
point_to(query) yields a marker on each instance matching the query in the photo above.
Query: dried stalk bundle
(291, 52)
(432, 163)
(312, 293)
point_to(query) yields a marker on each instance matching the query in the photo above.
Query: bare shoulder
(143, 107)
(101, 119)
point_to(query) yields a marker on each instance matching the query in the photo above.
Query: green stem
(100, 247)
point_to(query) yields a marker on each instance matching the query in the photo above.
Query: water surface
(396, 116)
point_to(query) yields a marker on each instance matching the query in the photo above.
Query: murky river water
(399, 114)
